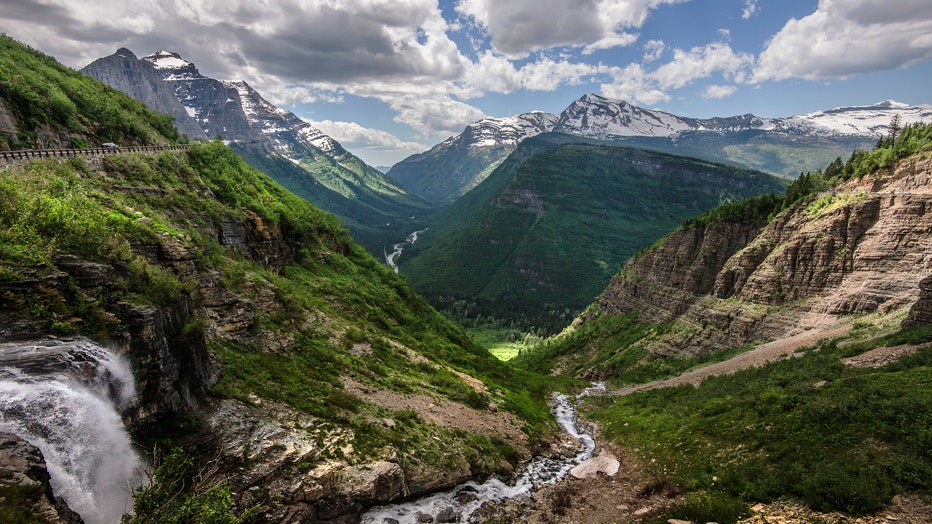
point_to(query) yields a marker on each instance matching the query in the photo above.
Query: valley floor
(627, 499)
(634, 495)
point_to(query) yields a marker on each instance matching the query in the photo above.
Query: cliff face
(664, 282)
(862, 247)
(172, 366)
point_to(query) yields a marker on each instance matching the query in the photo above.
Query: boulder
(605, 462)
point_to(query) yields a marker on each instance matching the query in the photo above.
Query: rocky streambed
(461, 502)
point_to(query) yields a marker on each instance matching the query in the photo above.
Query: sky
(390, 78)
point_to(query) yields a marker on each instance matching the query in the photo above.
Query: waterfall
(64, 397)
(463, 500)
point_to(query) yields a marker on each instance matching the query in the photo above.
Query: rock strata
(862, 247)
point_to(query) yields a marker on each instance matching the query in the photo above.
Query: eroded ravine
(461, 502)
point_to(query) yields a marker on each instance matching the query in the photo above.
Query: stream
(390, 258)
(64, 397)
(459, 503)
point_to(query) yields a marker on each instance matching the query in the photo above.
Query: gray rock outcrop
(140, 80)
(25, 483)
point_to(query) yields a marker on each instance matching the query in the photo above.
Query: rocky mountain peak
(125, 53)
(599, 117)
(172, 66)
(491, 131)
(142, 80)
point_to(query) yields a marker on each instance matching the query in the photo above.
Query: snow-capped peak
(163, 59)
(492, 131)
(873, 120)
(167, 61)
(890, 104)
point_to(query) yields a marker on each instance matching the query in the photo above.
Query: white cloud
(352, 135)
(637, 84)
(750, 9)
(491, 72)
(519, 27)
(288, 95)
(653, 50)
(436, 114)
(719, 91)
(547, 74)
(610, 41)
(634, 84)
(702, 62)
(847, 37)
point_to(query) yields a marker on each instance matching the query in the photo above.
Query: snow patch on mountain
(508, 131)
(172, 66)
(873, 121)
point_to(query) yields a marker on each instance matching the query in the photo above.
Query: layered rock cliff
(861, 247)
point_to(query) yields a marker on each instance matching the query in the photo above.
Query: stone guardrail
(22, 155)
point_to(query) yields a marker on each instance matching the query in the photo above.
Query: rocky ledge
(25, 488)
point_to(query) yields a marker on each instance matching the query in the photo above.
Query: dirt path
(762, 354)
(634, 495)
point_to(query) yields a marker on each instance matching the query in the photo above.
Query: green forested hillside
(542, 235)
(293, 309)
(445, 173)
(781, 154)
(54, 106)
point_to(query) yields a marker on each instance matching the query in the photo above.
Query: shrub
(180, 492)
(710, 506)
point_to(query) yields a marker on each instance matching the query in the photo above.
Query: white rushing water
(63, 397)
(463, 500)
(390, 258)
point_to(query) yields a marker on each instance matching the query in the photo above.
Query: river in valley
(64, 398)
(459, 503)
(392, 258)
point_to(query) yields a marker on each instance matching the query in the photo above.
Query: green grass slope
(314, 308)
(541, 236)
(54, 106)
(331, 298)
(377, 213)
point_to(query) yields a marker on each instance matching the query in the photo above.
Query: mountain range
(283, 374)
(293, 152)
(783, 146)
(535, 242)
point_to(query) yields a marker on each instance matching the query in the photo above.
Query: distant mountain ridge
(538, 239)
(260, 115)
(293, 152)
(774, 145)
(459, 163)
